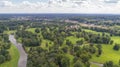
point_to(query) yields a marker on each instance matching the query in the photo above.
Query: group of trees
(28, 38)
(95, 38)
(4, 46)
(55, 57)
(111, 64)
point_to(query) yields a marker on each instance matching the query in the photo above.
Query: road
(23, 55)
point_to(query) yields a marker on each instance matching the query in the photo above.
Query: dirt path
(23, 55)
(98, 64)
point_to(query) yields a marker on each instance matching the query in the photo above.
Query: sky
(60, 6)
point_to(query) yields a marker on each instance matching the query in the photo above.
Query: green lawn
(95, 32)
(14, 58)
(108, 53)
(116, 39)
(31, 30)
(9, 32)
(43, 45)
(87, 30)
(73, 39)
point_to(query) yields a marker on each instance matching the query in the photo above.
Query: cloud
(6, 3)
(111, 1)
(61, 6)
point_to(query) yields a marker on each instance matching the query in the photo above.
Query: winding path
(98, 64)
(23, 55)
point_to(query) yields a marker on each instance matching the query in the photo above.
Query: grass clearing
(95, 32)
(73, 39)
(116, 39)
(9, 32)
(31, 30)
(108, 54)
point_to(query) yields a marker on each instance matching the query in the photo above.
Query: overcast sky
(60, 6)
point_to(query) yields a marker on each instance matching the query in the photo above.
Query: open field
(73, 39)
(108, 54)
(31, 30)
(9, 32)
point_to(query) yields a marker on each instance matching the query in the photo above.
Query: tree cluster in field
(95, 38)
(112, 31)
(111, 64)
(4, 46)
(116, 47)
(57, 57)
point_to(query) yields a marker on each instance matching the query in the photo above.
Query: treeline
(112, 32)
(111, 64)
(4, 47)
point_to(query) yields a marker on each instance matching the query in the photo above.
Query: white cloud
(61, 6)
(6, 4)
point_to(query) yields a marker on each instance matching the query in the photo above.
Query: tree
(108, 64)
(116, 47)
(99, 49)
(92, 49)
(111, 42)
(65, 62)
(119, 62)
(37, 30)
(78, 64)
(79, 42)
(65, 49)
(68, 42)
(2, 59)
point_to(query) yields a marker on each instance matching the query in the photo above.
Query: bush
(116, 47)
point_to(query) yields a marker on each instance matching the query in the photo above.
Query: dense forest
(4, 46)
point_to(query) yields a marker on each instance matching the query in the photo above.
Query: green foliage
(4, 46)
(79, 42)
(78, 64)
(37, 30)
(108, 64)
(2, 59)
(116, 47)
